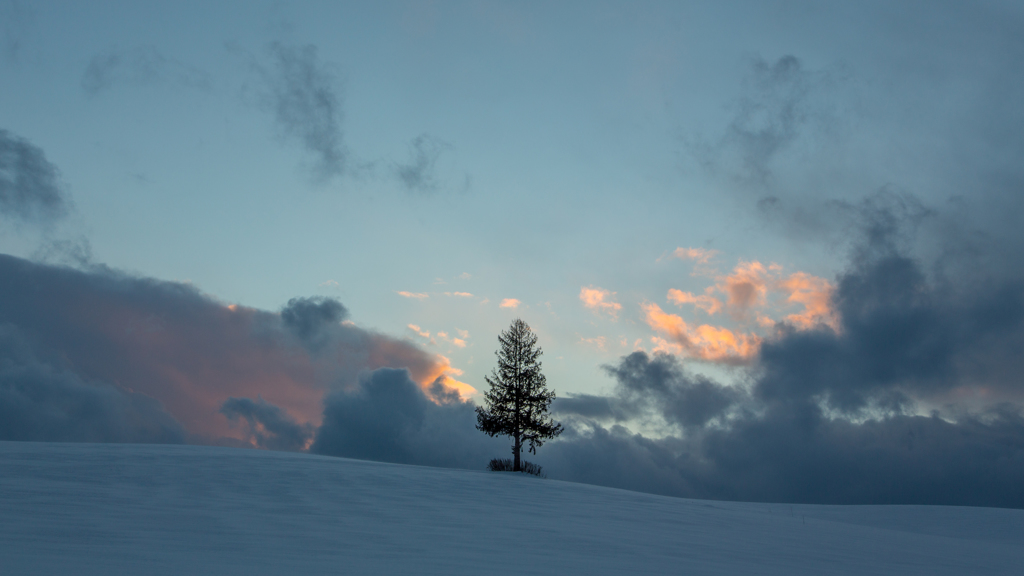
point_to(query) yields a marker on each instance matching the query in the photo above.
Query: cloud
(814, 294)
(413, 295)
(311, 320)
(170, 344)
(509, 303)
(268, 426)
(419, 331)
(705, 302)
(15, 18)
(749, 287)
(417, 175)
(45, 401)
(388, 417)
(705, 342)
(600, 342)
(789, 451)
(599, 300)
(778, 104)
(140, 66)
(302, 94)
(746, 287)
(699, 255)
(459, 294)
(29, 183)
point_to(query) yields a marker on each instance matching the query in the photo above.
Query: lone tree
(517, 403)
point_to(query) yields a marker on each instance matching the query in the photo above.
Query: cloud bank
(133, 347)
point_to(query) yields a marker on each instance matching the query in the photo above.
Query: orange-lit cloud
(746, 287)
(699, 255)
(459, 294)
(509, 303)
(599, 342)
(705, 302)
(705, 342)
(415, 295)
(814, 294)
(442, 371)
(599, 300)
(418, 330)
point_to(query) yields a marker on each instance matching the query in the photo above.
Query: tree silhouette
(517, 403)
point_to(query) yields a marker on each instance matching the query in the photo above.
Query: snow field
(148, 509)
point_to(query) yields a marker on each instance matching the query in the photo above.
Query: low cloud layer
(154, 345)
(30, 190)
(390, 418)
(44, 401)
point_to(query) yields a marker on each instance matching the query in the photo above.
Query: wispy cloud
(30, 190)
(139, 66)
(459, 294)
(303, 95)
(509, 303)
(413, 295)
(699, 255)
(419, 331)
(418, 173)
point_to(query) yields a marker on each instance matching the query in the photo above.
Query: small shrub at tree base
(507, 465)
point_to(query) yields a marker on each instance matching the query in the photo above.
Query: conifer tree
(517, 403)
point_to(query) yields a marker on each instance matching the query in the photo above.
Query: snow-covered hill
(144, 509)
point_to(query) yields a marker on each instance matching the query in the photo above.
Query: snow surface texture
(146, 509)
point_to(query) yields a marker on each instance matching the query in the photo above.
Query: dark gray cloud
(139, 66)
(303, 94)
(418, 174)
(312, 320)
(268, 426)
(656, 387)
(390, 418)
(42, 401)
(29, 183)
(794, 453)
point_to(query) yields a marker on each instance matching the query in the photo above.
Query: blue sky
(636, 176)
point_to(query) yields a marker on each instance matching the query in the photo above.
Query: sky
(761, 243)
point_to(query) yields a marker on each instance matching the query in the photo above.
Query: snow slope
(143, 509)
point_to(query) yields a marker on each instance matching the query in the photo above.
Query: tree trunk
(515, 451)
